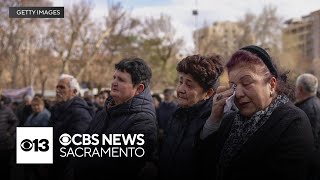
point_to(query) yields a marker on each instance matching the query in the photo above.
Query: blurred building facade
(223, 37)
(303, 34)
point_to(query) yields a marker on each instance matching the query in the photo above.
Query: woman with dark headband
(267, 137)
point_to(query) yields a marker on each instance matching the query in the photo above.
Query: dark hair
(38, 100)
(157, 96)
(137, 68)
(38, 95)
(204, 69)
(105, 92)
(6, 100)
(3, 98)
(249, 59)
(168, 90)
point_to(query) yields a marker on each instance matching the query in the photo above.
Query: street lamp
(195, 14)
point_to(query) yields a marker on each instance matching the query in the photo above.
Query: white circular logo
(65, 139)
(26, 145)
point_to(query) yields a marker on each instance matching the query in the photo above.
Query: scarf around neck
(242, 129)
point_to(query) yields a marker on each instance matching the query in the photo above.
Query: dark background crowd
(36, 111)
(86, 114)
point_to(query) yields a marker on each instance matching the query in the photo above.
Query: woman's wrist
(209, 128)
(214, 119)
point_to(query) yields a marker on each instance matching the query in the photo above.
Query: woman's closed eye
(189, 85)
(246, 83)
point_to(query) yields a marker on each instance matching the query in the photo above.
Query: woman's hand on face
(219, 100)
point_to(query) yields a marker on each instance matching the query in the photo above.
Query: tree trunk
(64, 68)
(93, 56)
(15, 71)
(43, 85)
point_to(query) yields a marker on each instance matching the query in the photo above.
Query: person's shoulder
(142, 117)
(173, 103)
(141, 121)
(309, 101)
(101, 114)
(315, 100)
(161, 105)
(288, 109)
(80, 105)
(7, 110)
(98, 121)
(289, 113)
(292, 121)
(143, 125)
(46, 112)
(78, 102)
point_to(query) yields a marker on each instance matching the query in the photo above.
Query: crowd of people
(258, 127)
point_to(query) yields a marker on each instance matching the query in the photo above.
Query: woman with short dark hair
(128, 111)
(197, 77)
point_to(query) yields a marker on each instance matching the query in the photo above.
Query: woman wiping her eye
(267, 138)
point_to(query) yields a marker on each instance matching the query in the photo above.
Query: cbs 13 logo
(38, 145)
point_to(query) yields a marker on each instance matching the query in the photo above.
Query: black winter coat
(176, 156)
(311, 107)
(278, 150)
(164, 113)
(137, 116)
(72, 117)
(8, 124)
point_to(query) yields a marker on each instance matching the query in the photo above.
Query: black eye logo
(65, 139)
(26, 145)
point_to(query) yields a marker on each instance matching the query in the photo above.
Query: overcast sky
(209, 10)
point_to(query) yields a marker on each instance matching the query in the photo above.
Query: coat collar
(201, 108)
(267, 134)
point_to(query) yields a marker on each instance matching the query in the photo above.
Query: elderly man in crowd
(307, 100)
(71, 115)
